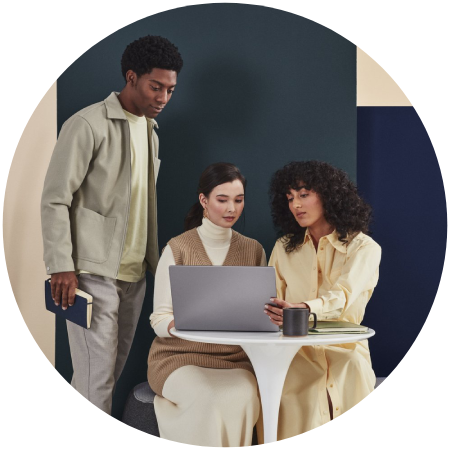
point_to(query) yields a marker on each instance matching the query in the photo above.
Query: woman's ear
(203, 200)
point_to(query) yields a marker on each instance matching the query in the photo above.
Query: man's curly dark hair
(343, 208)
(148, 53)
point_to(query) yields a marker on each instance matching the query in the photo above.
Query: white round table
(271, 355)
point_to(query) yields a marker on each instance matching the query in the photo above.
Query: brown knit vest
(168, 354)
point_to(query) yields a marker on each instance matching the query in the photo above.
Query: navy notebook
(80, 312)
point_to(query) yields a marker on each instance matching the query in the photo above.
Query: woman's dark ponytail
(194, 217)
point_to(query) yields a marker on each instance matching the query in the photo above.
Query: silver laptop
(222, 298)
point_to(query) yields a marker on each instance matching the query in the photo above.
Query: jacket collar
(114, 109)
(332, 238)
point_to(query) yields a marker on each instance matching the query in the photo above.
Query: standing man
(99, 213)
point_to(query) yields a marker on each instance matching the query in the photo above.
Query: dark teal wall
(260, 88)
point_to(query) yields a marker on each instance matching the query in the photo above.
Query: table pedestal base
(271, 363)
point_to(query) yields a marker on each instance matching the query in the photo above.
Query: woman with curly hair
(325, 262)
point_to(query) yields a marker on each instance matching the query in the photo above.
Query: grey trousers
(100, 352)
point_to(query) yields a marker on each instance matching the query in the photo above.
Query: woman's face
(306, 206)
(224, 204)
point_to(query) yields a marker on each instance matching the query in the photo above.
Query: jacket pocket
(92, 235)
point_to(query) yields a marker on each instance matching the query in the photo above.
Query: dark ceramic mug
(296, 321)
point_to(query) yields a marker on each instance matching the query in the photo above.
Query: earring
(205, 213)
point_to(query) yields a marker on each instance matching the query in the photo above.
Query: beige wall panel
(22, 223)
(374, 87)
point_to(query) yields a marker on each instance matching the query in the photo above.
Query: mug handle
(315, 319)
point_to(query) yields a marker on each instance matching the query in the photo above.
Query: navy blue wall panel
(398, 174)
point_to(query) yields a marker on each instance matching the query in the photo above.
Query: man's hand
(63, 286)
(275, 313)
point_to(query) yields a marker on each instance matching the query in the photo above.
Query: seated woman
(323, 262)
(206, 393)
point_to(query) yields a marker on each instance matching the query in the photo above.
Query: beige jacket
(86, 197)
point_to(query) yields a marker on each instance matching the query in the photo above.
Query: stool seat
(379, 381)
(139, 411)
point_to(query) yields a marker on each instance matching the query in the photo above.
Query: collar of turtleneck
(213, 235)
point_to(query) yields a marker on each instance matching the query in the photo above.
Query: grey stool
(379, 381)
(139, 411)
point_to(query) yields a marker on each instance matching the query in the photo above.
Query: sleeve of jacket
(67, 169)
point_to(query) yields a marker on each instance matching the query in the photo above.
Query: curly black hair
(343, 208)
(148, 53)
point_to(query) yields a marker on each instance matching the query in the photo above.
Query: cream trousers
(209, 407)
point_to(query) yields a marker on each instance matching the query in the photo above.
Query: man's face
(152, 91)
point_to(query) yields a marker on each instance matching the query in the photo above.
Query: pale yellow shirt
(132, 265)
(336, 282)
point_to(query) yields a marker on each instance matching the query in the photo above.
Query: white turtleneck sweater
(216, 241)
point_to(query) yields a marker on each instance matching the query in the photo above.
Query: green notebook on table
(336, 327)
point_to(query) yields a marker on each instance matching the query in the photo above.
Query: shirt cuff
(315, 306)
(161, 327)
